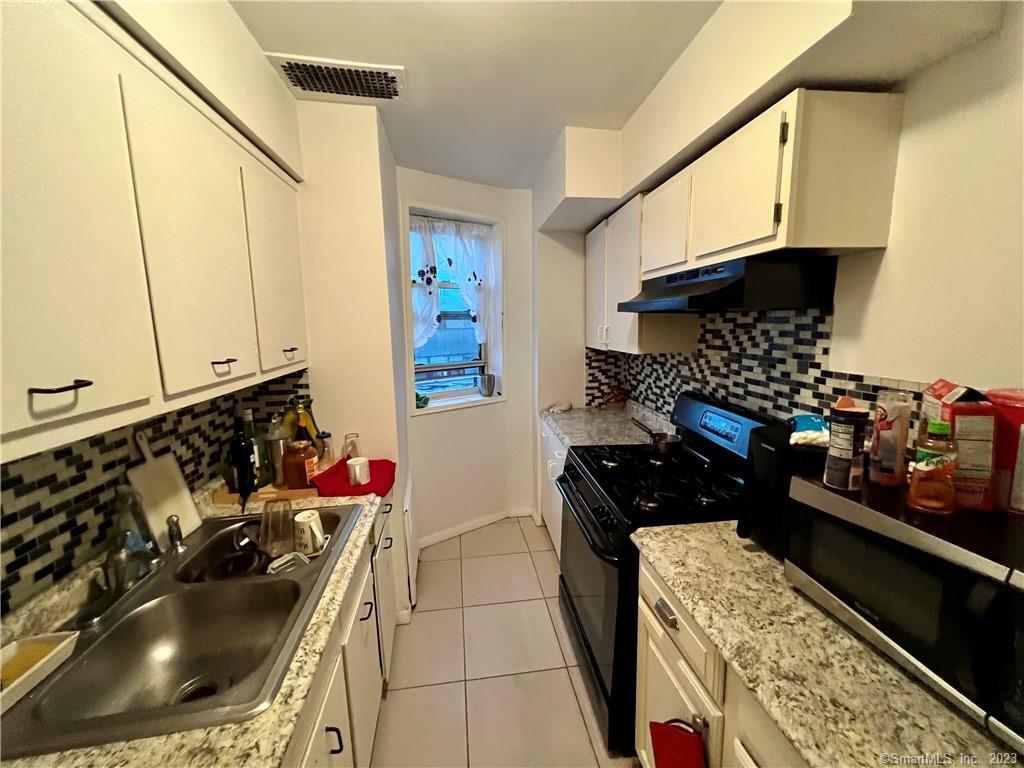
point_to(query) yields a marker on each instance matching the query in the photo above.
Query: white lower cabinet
(680, 676)
(362, 672)
(384, 591)
(667, 689)
(553, 453)
(331, 743)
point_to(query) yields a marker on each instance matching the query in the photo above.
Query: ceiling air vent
(331, 80)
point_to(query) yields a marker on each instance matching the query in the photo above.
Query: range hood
(777, 281)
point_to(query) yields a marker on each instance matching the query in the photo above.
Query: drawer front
(753, 738)
(687, 636)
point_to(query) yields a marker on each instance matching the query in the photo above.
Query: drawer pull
(369, 612)
(289, 350)
(559, 455)
(75, 385)
(388, 542)
(225, 361)
(387, 509)
(337, 734)
(665, 614)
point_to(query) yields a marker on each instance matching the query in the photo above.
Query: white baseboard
(472, 525)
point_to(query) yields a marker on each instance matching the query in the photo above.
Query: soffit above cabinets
(843, 46)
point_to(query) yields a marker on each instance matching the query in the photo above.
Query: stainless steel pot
(661, 442)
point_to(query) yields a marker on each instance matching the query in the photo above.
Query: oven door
(590, 570)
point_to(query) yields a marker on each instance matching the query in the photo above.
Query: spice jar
(931, 485)
(299, 464)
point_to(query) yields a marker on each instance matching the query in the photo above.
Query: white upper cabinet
(596, 295)
(75, 310)
(189, 189)
(816, 170)
(736, 187)
(273, 225)
(666, 224)
(623, 275)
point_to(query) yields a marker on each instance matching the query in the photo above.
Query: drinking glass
(277, 534)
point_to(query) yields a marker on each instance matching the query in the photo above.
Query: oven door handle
(569, 495)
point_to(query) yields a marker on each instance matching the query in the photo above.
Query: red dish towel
(333, 481)
(676, 745)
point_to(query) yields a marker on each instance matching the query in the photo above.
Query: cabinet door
(189, 189)
(272, 221)
(623, 276)
(74, 298)
(551, 499)
(362, 673)
(664, 238)
(736, 186)
(667, 689)
(331, 745)
(596, 281)
(384, 590)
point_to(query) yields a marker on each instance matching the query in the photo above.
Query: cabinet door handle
(369, 612)
(225, 361)
(387, 509)
(289, 350)
(665, 614)
(552, 472)
(560, 455)
(388, 542)
(337, 734)
(73, 386)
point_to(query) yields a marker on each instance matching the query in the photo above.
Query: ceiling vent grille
(330, 80)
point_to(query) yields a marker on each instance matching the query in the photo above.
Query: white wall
(208, 46)
(479, 462)
(344, 261)
(946, 298)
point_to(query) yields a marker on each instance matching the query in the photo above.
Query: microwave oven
(942, 597)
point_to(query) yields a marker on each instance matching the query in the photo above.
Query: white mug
(309, 532)
(358, 470)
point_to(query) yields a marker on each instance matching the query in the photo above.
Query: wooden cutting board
(164, 492)
(267, 493)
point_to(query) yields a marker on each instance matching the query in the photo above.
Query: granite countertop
(260, 740)
(835, 698)
(606, 425)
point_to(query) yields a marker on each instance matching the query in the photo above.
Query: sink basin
(181, 650)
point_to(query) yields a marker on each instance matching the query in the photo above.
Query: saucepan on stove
(661, 442)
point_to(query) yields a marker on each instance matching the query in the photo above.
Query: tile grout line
(551, 620)
(465, 684)
(579, 705)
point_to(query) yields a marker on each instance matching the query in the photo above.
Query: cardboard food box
(973, 420)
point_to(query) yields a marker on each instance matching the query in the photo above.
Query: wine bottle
(242, 459)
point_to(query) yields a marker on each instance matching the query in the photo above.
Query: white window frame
(470, 396)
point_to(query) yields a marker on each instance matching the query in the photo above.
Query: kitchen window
(455, 307)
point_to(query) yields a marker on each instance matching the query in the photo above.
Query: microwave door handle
(568, 495)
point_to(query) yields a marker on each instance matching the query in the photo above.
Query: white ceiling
(489, 85)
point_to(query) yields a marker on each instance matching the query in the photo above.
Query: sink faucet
(174, 534)
(127, 564)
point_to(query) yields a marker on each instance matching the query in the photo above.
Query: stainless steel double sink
(177, 651)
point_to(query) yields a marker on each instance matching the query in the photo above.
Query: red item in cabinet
(676, 745)
(1009, 485)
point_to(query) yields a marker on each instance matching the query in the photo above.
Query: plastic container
(1009, 450)
(844, 464)
(932, 488)
(887, 460)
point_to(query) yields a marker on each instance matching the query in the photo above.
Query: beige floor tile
(501, 538)
(422, 727)
(444, 550)
(537, 537)
(428, 650)
(547, 570)
(531, 719)
(604, 759)
(508, 638)
(439, 585)
(561, 632)
(499, 579)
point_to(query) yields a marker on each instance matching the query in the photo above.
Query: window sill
(456, 403)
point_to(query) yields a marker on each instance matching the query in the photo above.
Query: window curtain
(425, 302)
(468, 250)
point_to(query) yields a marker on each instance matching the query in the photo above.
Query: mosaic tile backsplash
(56, 507)
(774, 362)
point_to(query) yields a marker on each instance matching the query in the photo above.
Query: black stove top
(644, 488)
